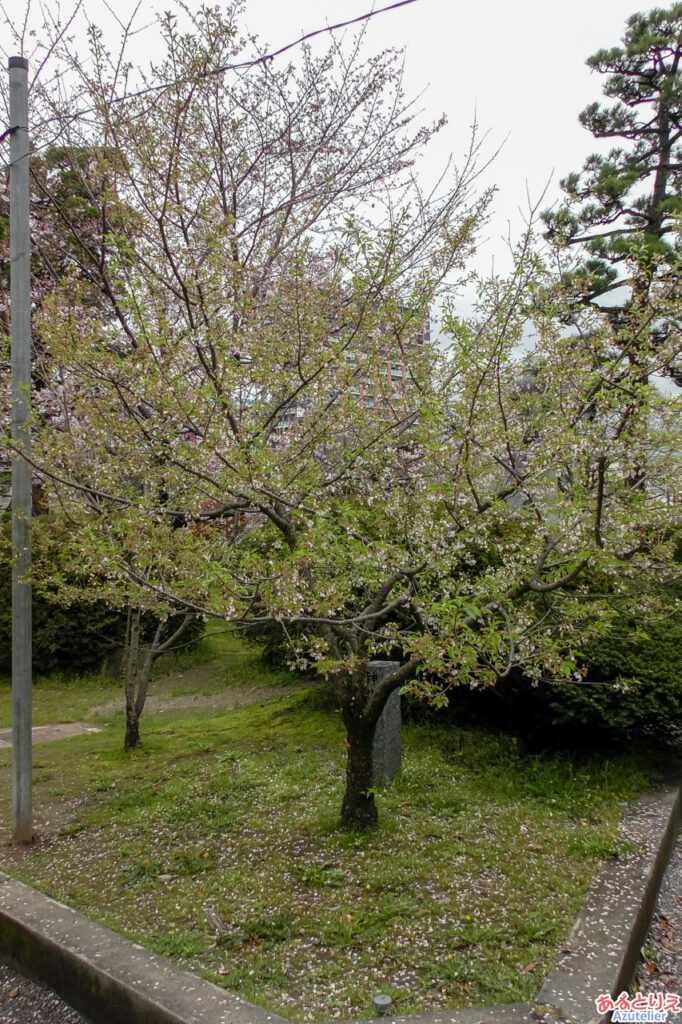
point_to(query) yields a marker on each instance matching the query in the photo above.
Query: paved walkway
(661, 969)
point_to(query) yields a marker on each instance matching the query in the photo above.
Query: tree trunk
(359, 809)
(136, 678)
(361, 711)
(132, 737)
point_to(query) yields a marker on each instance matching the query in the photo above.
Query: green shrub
(75, 637)
(633, 687)
(631, 692)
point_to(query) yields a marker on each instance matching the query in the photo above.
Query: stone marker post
(387, 753)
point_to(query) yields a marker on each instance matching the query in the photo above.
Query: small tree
(100, 615)
(139, 662)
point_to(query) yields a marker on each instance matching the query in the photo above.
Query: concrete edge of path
(115, 981)
(603, 948)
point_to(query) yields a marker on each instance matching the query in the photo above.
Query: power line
(269, 56)
(212, 72)
(241, 65)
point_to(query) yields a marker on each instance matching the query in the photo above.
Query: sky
(518, 68)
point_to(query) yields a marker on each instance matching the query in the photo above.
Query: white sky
(519, 64)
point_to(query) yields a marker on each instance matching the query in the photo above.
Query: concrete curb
(101, 974)
(603, 947)
(115, 981)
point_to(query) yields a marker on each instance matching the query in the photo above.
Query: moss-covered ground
(218, 845)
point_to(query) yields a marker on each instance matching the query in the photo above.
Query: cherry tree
(483, 524)
(258, 428)
(264, 263)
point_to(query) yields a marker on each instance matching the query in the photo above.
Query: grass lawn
(217, 845)
(221, 663)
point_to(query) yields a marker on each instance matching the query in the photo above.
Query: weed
(181, 945)
(267, 928)
(191, 861)
(596, 845)
(314, 875)
(142, 871)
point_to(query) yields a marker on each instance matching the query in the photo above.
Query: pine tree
(627, 203)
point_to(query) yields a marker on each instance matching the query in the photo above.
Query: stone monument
(387, 747)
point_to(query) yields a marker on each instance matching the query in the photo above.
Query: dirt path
(235, 697)
(205, 685)
(55, 731)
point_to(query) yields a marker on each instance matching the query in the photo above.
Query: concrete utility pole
(20, 298)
